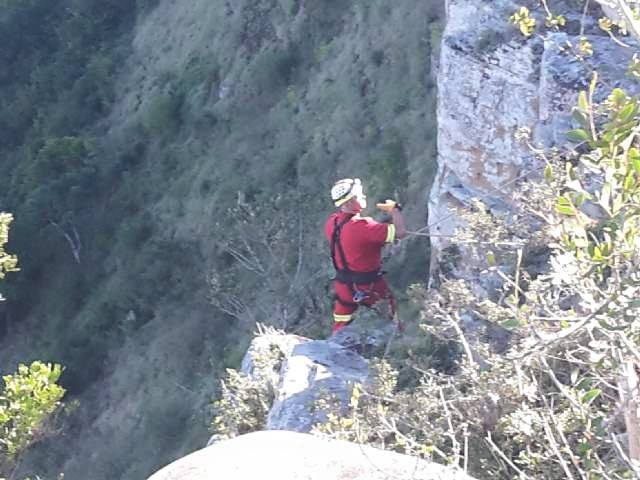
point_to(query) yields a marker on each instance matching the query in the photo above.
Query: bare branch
(74, 241)
(502, 455)
(454, 321)
(455, 445)
(559, 385)
(556, 450)
(629, 395)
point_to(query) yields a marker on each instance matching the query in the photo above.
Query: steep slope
(253, 105)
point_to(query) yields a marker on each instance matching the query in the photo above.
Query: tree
(8, 263)
(28, 397)
(265, 247)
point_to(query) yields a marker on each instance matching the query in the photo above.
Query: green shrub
(163, 114)
(275, 68)
(27, 400)
(136, 231)
(8, 262)
(59, 156)
(388, 168)
(245, 400)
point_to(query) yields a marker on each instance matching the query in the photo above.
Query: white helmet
(345, 189)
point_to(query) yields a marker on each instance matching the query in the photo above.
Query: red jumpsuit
(361, 240)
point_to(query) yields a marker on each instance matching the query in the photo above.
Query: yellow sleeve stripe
(391, 233)
(341, 318)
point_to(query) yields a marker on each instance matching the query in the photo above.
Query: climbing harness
(346, 189)
(360, 296)
(355, 280)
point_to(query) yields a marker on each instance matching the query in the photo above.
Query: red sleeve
(373, 232)
(328, 227)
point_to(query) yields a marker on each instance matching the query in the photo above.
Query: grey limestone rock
(313, 370)
(492, 83)
(306, 371)
(280, 455)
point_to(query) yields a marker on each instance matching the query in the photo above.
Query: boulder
(300, 372)
(283, 455)
(314, 369)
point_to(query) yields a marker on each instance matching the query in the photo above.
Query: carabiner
(359, 296)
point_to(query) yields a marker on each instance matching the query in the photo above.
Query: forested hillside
(168, 166)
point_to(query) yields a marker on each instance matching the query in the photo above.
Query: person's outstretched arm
(398, 220)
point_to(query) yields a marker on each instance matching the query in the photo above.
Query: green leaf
(585, 384)
(583, 103)
(627, 112)
(578, 135)
(597, 256)
(634, 157)
(579, 199)
(593, 84)
(590, 395)
(607, 137)
(629, 182)
(583, 449)
(618, 96)
(548, 172)
(510, 324)
(580, 118)
(565, 207)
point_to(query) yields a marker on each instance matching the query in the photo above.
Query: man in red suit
(356, 250)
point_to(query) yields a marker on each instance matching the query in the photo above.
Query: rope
(421, 233)
(446, 217)
(438, 235)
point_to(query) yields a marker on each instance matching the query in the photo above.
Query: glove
(389, 205)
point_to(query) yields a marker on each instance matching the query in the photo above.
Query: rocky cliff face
(492, 81)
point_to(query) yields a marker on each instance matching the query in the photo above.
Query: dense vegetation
(135, 184)
(58, 73)
(163, 209)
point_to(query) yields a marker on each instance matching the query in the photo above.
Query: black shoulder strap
(336, 245)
